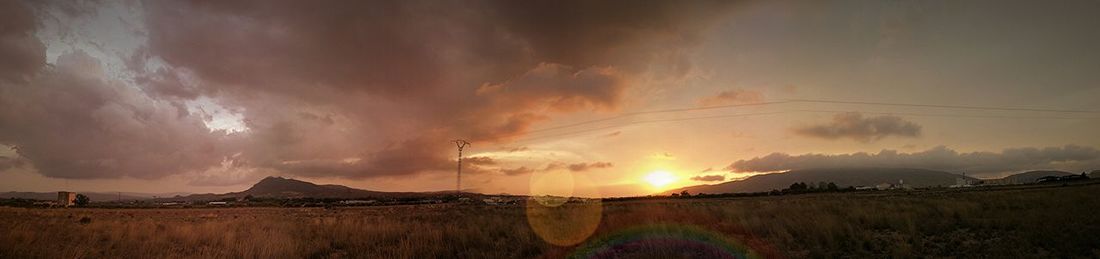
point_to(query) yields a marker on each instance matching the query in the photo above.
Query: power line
(956, 115)
(990, 108)
(645, 121)
(618, 125)
(944, 106)
(656, 111)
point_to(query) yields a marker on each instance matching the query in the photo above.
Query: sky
(618, 97)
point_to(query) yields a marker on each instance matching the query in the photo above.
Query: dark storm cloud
(854, 126)
(600, 33)
(10, 162)
(560, 88)
(70, 121)
(335, 88)
(401, 78)
(21, 54)
(709, 178)
(386, 48)
(509, 109)
(1071, 157)
(405, 158)
(406, 48)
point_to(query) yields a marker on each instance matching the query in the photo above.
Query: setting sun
(659, 179)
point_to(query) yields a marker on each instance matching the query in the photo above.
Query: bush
(82, 200)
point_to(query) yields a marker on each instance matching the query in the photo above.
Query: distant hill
(286, 188)
(1028, 177)
(843, 177)
(270, 187)
(278, 187)
(94, 196)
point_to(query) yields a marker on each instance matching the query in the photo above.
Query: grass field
(1009, 223)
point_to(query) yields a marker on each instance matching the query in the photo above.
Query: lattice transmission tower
(461, 144)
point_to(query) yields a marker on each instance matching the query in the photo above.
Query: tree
(799, 187)
(833, 187)
(685, 194)
(82, 200)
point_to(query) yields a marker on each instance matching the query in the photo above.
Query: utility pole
(460, 144)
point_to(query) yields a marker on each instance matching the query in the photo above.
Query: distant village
(961, 183)
(70, 199)
(67, 199)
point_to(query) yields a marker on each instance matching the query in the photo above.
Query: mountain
(278, 187)
(1028, 177)
(843, 177)
(286, 188)
(270, 187)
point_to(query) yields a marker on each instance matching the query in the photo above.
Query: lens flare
(565, 208)
(552, 189)
(664, 240)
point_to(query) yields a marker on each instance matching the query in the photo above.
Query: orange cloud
(864, 129)
(1070, 157)
(736, 96)
(709, 178)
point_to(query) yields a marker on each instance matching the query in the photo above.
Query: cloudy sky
(211, 96)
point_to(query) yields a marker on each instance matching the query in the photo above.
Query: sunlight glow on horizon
(659, 179)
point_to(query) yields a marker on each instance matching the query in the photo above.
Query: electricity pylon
(460, 144)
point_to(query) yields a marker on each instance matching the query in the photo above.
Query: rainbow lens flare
(663, 241)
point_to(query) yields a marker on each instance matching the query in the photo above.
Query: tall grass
(1052, 222)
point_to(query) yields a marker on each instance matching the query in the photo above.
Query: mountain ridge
(843, 177)
(276, 187)
(273, 187)
(1029, 176)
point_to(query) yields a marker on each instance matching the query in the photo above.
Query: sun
(659, 179)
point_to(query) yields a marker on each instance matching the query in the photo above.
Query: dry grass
(1053, 222)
